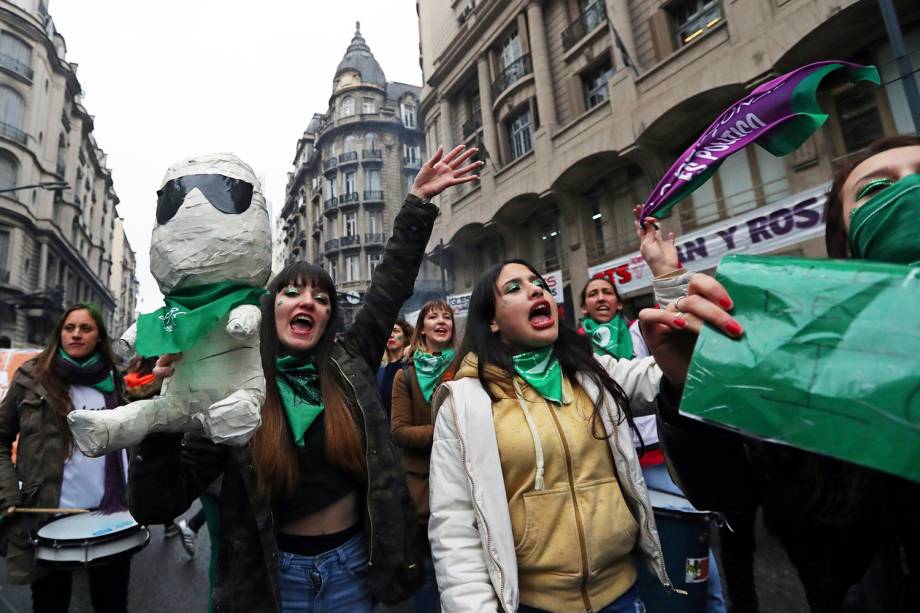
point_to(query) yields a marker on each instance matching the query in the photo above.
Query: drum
(684, 535)
(88, 539)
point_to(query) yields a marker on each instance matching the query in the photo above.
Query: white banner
(554, 281)
(460, 303)
(782, 224)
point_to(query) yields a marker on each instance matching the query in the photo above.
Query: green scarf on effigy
(611, 338)
(429, 368)
(541, 370)
(298, 384)
(189, 315)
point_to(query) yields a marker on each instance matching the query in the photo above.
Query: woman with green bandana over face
(430, 356)
(537, 498)
(75, 370)
(315, 515)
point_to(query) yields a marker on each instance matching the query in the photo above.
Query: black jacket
(166, 476)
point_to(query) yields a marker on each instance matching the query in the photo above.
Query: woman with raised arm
(537, 499)
(315, 515)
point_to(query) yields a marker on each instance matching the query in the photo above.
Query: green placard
(830, 359)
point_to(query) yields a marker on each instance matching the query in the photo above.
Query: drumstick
(46, 510)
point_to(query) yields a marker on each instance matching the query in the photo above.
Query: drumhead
(87, 526)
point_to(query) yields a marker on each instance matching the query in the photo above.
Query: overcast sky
(170, 79)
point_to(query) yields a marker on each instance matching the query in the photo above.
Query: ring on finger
(677, 304)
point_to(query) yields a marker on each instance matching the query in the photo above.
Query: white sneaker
(189, 538)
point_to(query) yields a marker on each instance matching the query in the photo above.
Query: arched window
(17, 55)
(348, 106)
(9, 168)
(370, 140)
(350, 143)
(12, 111)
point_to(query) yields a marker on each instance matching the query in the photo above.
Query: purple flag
(779, 115)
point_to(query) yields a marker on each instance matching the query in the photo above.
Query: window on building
(373, 260)
(594, 83)
(349, 144)
(367, 106)
(592, 13)
(512, 50)
(374, 222)
(348, 106)
(520, 133)
(350, 224)
(351, 182)
(17, 54)
(328, 190)
(12, 108)
(372, 179)
(370, 140)
(4, 255)
(9, 168)
(333, 270)
(693, 18)
(858, 115)
(408, 113)
(549, 245)
(351, 268)
(597, 223)
(412, 154)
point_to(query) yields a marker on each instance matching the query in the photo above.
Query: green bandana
(611, 338)
(298, 384)
(106, 386)
(883, 230)
(541, 370)
(189, 315)
(429, 368)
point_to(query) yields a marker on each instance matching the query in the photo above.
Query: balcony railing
(349, 198)
(330, 204)
(12, 132)
(595, 15)
(411, 162)
(376, 238)
(330, 164)
(348, 156)
(511, 73)
(471, 125)
(331, 245)
(372, 154)
(14, 65)
(348, 241)
(371, 195)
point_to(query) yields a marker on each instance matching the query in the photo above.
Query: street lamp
(51, 186)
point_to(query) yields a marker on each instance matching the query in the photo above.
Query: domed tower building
(353, 167)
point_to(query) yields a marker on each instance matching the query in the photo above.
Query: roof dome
(358, 57)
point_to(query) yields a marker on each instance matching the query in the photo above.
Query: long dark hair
(274, 451)
(616, 292)
(573, 350)
(57, 388)
(836, 237)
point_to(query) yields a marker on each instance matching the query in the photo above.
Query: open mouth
(302, 325)
(602, 307)
(541, 316)
(441, 330)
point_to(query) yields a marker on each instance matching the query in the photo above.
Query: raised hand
(659, 254)
(443, 171)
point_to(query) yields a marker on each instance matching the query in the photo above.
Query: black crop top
(321, 483)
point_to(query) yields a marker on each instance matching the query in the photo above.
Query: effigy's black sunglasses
(226, 194)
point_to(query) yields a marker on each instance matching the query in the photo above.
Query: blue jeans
(658, 478)
(627, 603)
(328, 583)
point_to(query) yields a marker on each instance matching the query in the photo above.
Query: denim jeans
(329, 582)
(627, 603)
(658, 478)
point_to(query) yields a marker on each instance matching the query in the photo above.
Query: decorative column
(447, 135)
(489, 130)
(539, 55)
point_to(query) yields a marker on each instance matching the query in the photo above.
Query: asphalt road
(164, 578)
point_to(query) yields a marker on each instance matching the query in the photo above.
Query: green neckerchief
(882, 229)
(429, 368)
(106, 386)
(611, 338)
(189, 315)
(541, 370)
(298, 384)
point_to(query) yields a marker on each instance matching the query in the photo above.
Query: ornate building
(583, 104)
(57, 202)
(353, 167)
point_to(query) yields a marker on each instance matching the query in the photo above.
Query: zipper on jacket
(570, 470)
(370, 517)
(482, 519)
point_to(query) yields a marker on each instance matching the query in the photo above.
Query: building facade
(57, 202)
(123, 283)
(353, 167)
(583, 104)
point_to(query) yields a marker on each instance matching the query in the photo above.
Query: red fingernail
(680, 322)
(725, 302)
(734, 328)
